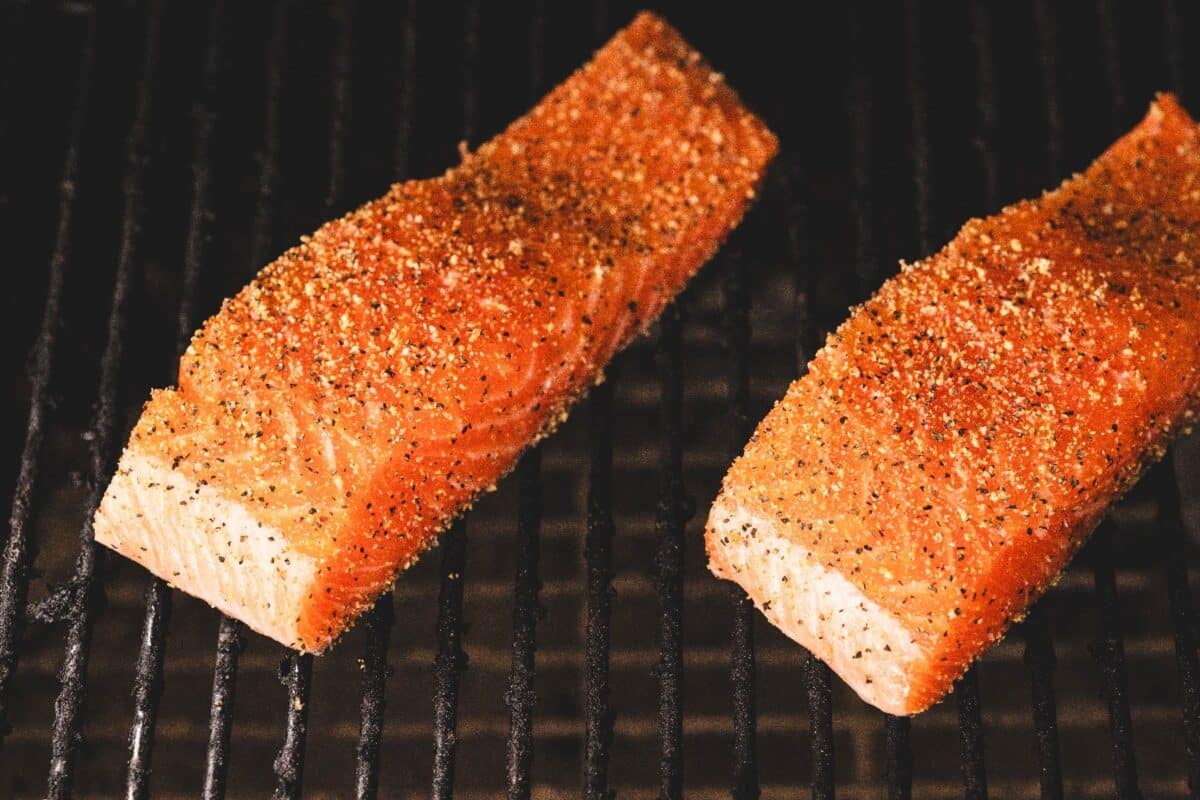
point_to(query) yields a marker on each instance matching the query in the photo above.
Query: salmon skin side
(354, 398)
(957, 439)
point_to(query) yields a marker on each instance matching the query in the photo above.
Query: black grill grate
(796, 221)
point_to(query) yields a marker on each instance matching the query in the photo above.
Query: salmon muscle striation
(958, 438)
(347, 404)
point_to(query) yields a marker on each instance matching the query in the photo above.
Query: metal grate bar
(66, 734)
(14, 575)
(967, 690)
(819, 681)
(1039, 658)
(72, 677)
(970, 735)
(668, 557)
(521, 697)
(230, 641)
(859, 104)
(449, 662)
(295, 672)
(898, 735)
(1039, 645)
(380, 619)
(375, 672)
(1110, 647)
(745, 784)
(598, 717)
(1112, 57)
(985, 102)
(148, 675)
(1183, 617)
(598, 725)
(405, 93)
(339, 117)
(216, 767)
(1175, 50)
(1047, 33)
(918, 114)
(818, 678)
(898, 730)
(16, 24)
(742, 667)
(1110, 652)
(147, 688)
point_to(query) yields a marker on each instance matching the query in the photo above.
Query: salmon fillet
(354, 398)
(958, 438)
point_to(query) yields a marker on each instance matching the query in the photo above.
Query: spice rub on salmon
(963, 432)
(370, 383)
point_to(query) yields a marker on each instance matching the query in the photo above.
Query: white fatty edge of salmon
(216, 551)
(814, 605)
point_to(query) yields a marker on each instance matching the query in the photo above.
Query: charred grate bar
(668, 558)
(72, 677)
(148, 678)
(520, 696)
(451, 659)
(1110, 652)
(230, 641)
(295, 673)
(1183, 617)
(598, 722)
(741, 674)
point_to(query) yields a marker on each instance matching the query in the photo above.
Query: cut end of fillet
(218, 551)
(816, 606)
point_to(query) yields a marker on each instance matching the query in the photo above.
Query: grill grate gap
(14, 575)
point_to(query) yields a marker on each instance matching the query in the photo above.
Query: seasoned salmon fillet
(958, 438)
(354, 398)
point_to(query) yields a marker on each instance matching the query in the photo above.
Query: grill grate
(894, 740)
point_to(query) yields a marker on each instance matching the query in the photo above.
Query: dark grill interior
(152, 156)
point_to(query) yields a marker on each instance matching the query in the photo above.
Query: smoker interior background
(151, 157)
